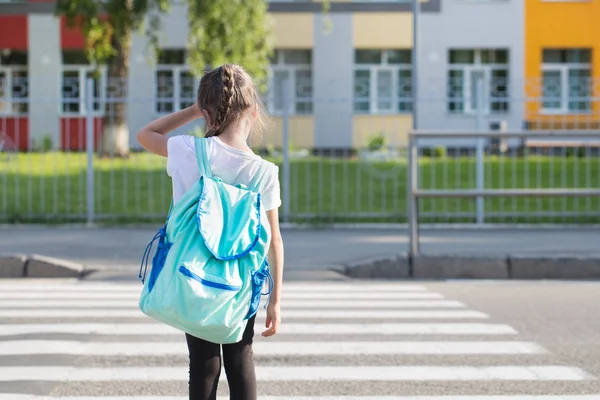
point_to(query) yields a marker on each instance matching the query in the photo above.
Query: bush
(434, 152)
(578, 152)
(376, 142)
(43, 145)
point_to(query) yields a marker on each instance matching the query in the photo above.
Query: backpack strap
(202, 157)
(170, 210)
(259, 177)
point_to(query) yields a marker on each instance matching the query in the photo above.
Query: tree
(232, 31)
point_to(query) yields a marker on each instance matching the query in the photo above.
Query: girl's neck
(236, 135)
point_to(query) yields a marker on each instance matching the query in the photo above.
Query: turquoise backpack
(210, 263)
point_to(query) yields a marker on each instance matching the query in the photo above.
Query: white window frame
(7, 98)
(477, 67)
(82, 72)
(176, 70)
(291, 70)
(564, 90)
(374, 98)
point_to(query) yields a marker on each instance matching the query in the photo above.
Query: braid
(226, 98)
(224, 95)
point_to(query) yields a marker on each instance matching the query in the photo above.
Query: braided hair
(225, 93)
(225, 106)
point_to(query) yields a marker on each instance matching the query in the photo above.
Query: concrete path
(120, 249)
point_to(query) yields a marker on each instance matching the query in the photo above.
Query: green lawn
(51, 187)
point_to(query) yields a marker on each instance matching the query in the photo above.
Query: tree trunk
(115, 135)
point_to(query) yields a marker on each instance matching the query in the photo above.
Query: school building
(529, 64)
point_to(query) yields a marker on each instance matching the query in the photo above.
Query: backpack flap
(229, 218)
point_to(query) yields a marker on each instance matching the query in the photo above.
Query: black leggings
(205, 367)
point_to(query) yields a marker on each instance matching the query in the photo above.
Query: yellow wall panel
(394, 127)
(382, 30)
(293, 30)
(301, 128)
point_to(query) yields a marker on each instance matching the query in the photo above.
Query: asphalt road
(121, 249)
(351, 338)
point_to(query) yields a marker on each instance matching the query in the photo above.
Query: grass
(51, 187)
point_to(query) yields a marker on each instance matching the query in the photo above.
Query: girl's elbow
(141, 138)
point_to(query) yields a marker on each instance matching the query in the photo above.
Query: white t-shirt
(233, 166)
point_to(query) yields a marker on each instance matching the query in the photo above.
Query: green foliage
(233, 31)
(98, 33)
(376, 142)
(434, 152)
(106, 23)
(576, 152)
(43, 144)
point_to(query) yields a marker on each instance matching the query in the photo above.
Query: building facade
(563, 63)
(528, 64)
(471, 65)
(345, 83)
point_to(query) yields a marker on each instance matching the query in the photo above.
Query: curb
(422, 267)
(37, 266)
(12, 265)
(478, 266)
(389, 267)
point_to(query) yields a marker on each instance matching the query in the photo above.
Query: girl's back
(232, 165)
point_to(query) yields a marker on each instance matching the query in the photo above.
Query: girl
(231, 107)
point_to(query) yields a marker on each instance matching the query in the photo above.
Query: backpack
(210, 263)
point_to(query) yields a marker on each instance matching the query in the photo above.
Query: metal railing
(415, 193)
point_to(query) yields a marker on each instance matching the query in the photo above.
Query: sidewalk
(120, 249)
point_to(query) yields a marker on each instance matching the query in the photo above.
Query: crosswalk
(338, 340)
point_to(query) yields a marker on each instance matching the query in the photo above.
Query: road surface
(121, 249)
(362, 340)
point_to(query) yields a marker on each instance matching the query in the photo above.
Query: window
(466, 68)
(566, 80)
(76, 70)
(295, 68)
(175, 86)
(14, 89)
(382, 81)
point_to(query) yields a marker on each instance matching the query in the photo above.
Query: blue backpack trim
(258, 281)
(161, 253)
(162, 250)
(185, 271)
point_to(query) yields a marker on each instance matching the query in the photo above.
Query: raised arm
(153, 137)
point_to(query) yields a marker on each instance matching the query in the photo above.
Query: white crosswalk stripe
(290, 314)
(322, 373)
(337, 304)
(548, 397)
(33, 347)
(128, 329)
(342, 334)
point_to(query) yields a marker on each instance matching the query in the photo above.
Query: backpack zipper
(216, 285)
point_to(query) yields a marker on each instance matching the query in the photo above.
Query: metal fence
(340, 161)
(498, 179)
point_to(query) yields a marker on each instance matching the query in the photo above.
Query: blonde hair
(226, 93)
